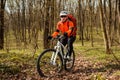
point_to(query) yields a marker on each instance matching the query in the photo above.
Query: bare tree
(103, 24)
(2, 9)
(118, 10)
(81, 21)
(33, 20)
(47, 22)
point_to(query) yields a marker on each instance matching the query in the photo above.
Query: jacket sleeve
(71, 26)
(57, 31)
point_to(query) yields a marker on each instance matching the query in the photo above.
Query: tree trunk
(80, 22)
(2, 23)
(103, 24)
(118, 10)
(46, 28)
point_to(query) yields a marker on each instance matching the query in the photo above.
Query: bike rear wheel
(69, 63)
(45, 67)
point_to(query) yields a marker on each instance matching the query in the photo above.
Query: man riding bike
(66, 28)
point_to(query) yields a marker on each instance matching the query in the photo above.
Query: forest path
(85, 69)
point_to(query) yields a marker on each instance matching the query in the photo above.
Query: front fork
(54, 56)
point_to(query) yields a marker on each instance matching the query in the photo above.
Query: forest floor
(84, 69)
(91, 63)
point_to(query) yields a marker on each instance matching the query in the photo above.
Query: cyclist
(66, 27)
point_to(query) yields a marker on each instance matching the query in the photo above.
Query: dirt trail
(84, 69)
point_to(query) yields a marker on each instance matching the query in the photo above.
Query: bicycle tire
(69, 63)
(44, 68)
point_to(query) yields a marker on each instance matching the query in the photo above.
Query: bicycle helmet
(63, 13)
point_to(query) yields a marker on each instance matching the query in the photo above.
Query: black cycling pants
(69, 41)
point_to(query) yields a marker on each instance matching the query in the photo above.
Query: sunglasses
(63, 16)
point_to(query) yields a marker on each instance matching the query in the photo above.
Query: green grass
(97, 52)
(98, 55)
(13, 63)
(117, 73)
(97, 77)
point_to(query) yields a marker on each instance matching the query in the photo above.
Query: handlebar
(58, 37)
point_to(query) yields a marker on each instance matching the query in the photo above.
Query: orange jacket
(64, 27)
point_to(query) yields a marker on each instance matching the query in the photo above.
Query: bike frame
(58, 49)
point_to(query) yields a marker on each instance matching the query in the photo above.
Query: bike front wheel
(45, 66)
(69, 63)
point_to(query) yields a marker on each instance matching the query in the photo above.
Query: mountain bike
(52, 61)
